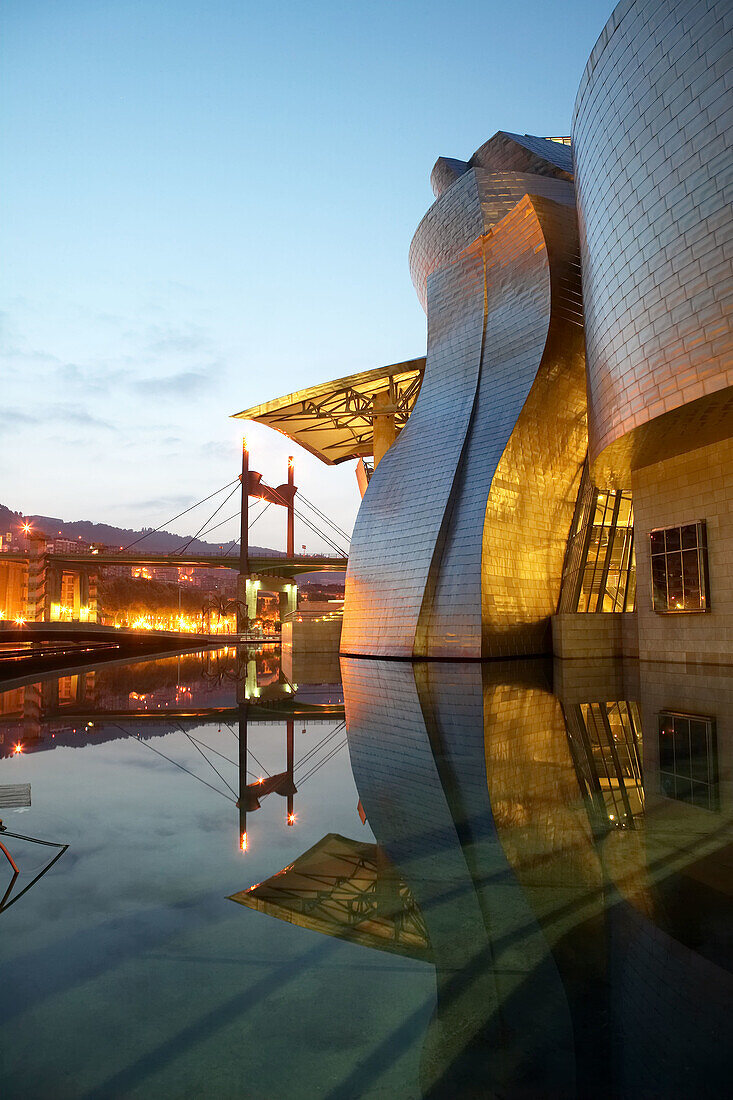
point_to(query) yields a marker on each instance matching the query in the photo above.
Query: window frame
(702, 566)
(712, 781)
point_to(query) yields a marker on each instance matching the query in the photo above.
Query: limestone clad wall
(684, 489)
(652, 136)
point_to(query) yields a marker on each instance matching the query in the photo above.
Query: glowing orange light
(291, 462)
(260, 780)
(26, 527)
(243, 842)
(291, 819)
(244, 442)
(20, 621)
(17, 750)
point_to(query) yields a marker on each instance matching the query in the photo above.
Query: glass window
(679, 568)
(599, 573)
(688, 759)
(605, 741)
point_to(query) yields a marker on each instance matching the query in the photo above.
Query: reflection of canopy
(344, 888)
(334, 420)
(15, 795)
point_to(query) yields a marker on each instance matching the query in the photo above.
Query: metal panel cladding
(654, 178)
(457, 549)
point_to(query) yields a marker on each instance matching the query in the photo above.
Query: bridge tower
(249, 585)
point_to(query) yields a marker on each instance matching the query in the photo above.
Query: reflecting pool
(366, 879)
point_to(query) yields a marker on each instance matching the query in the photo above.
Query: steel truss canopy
(347, 889)
(334, 420)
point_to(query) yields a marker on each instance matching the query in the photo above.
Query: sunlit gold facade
(459, 544)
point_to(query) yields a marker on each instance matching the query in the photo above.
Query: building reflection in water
(562, 858)
(555, 842)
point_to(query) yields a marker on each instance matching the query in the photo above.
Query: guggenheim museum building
(556, 473)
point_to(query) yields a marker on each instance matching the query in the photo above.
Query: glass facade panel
(600, 564)
(679, 568)
(688, 760)
(672, 539)
(657, 542)
(605, 740)
(689, 536)
(674, 580)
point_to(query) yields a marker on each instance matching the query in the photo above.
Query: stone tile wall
(606, 634)
(684, 489)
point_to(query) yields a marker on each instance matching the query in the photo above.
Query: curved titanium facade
(458, 546)
(651, 143)
(494, 799)
(417, 742)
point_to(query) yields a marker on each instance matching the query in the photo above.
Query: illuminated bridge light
(291, 819)
(243, 843)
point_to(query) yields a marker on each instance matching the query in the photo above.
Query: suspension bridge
(63, 586)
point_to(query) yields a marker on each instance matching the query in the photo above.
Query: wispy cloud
(217, 448)
(16, 416)
(169, 502)
(182, 384)
(163, 340)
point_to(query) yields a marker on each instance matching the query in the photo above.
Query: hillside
(163, 542)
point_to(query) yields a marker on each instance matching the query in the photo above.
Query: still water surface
(502, 880)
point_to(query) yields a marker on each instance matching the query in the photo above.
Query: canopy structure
(347, 889)
(334, 420)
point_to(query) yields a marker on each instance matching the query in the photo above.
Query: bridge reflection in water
(147, 699)
(563, 859)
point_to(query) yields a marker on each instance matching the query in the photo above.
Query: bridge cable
(183, 513)
(205, 745)
(200, 750)
(321, 534)
(259, 515)
(304, 519)
(249, 751)
(182, 549)
(303, 760)
(228, 520)
(325, 760)
(170, 761)
(316, 530)
(323, 516)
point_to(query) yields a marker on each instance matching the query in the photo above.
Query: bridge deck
(267, 565)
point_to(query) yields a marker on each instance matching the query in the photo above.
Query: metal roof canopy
(341, 888)
(334, 419)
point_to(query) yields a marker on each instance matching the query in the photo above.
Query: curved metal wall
(654, 179)
(504, 332)
(400, 518)
(475, 201)
(419, 743)
(495, 575)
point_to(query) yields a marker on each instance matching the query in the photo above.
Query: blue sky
(207, 205)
